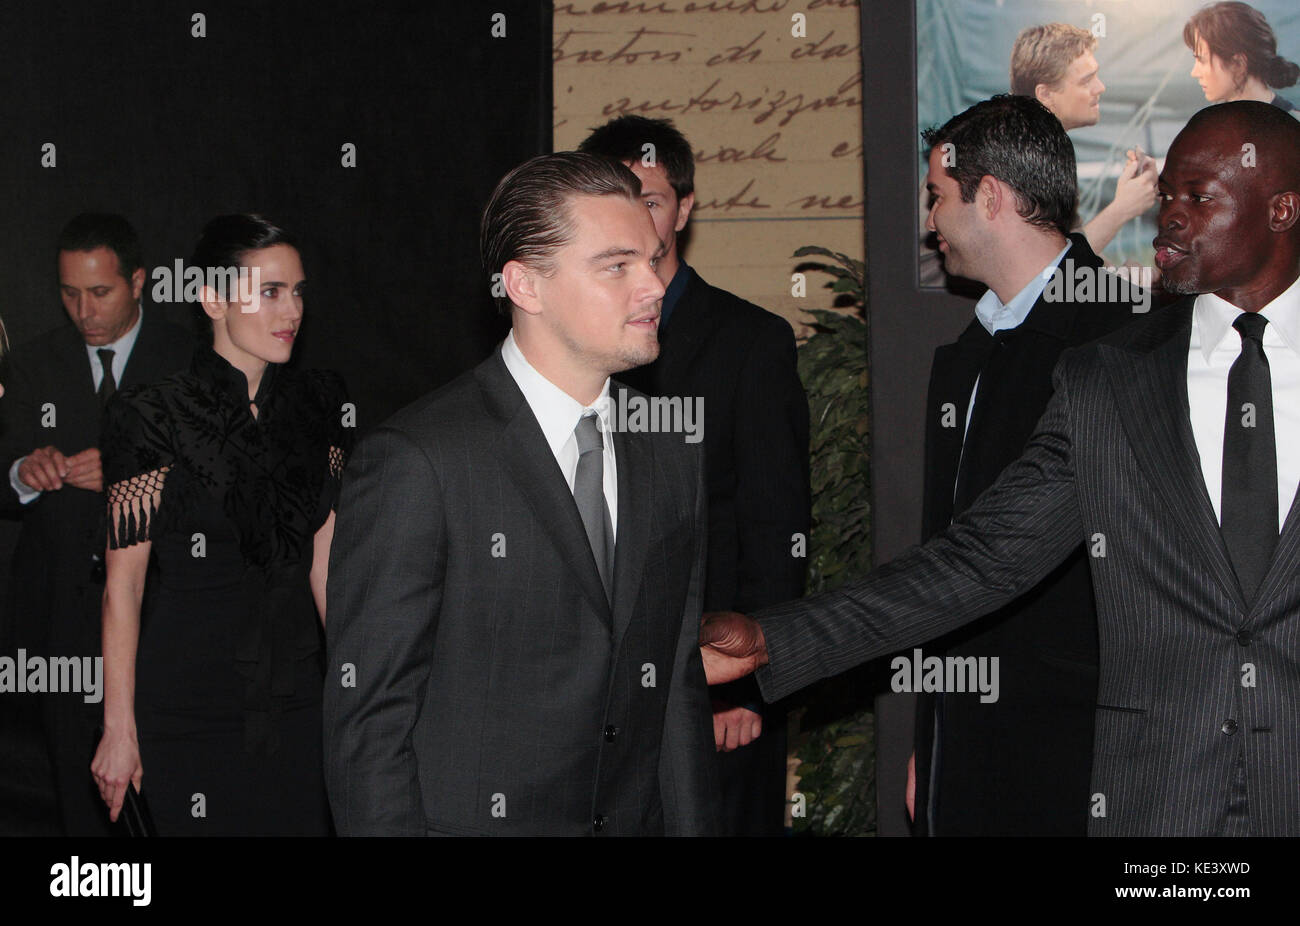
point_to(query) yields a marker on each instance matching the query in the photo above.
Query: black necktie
(1249, 500)
(107, 385)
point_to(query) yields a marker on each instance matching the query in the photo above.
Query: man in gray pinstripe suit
(515, 590)
(1185, 498)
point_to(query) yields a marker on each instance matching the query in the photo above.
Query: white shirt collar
(121, 348)
(556, 411)
(995, 316)
(1213, 317)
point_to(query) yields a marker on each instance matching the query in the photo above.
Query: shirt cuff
(26, 494)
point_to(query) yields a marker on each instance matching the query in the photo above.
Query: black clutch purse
(135, 814)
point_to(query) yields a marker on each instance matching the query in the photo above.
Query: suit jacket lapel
(1149, 379)
(81, 384)
(1056, 317)
(141, 364)
(952, 376)
(538, 477)
(1285, 556)
(634, 454)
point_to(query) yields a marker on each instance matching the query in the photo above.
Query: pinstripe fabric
(1192, 680)
(490, 668)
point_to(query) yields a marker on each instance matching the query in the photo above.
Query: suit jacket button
(1229, 726)
(598, 824)
(1244, 637)
(611, 733)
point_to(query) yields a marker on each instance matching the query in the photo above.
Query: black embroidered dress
(229, 666)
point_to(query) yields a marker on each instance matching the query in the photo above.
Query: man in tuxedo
(1171, 448)
(740, 361)
(51, 414)
(1000, 209)
(515, 581)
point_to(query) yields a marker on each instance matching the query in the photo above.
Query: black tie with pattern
(1249, 501)
(107, 385)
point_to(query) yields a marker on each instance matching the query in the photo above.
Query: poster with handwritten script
(769, 93)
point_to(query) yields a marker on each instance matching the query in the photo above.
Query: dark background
(170, 130)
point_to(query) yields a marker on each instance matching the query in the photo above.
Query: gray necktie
(589, 493)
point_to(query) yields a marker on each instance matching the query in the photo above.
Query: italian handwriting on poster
(769, 93)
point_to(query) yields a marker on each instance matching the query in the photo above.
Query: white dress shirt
(558, 414)
(1215, 345)
(121, 349)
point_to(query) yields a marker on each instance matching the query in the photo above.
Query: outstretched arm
(1013, 536)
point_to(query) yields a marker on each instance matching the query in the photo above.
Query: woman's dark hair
(1231, 29)
(227, 238)
(222, 246)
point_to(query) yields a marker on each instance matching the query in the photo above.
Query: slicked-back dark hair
(227, 238)
(1230, 29)
(1017, 140)
(92, 230)
(527, 217)
(222, 245)
(624, 139)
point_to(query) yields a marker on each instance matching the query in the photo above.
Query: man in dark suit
(1018, 765)
(1172, 449)
(515, 590)
(57, 386)
(738, 360)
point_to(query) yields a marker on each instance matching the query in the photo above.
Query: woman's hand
(117, 761)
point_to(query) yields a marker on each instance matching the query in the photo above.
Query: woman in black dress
(227, 476)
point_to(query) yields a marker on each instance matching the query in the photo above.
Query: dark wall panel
(170, 129)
